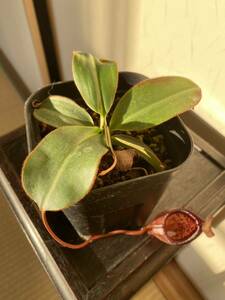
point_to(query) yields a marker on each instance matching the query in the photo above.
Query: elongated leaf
(152, 102)
(58, 111)
(108, 80)
(86, 79)
(96, 81)
(142, 149)
(61, 170)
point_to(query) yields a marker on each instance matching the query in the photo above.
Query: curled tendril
(207, 227)
(104, 172)
(36, 104)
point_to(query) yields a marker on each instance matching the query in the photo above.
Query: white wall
(16, 43)
(102, 27)
(163, 37)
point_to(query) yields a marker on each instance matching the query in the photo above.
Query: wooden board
(37, 39)
(171, 276)
(113, 268)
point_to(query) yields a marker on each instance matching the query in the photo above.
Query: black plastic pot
(125, 204)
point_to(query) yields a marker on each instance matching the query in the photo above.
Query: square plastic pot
(122, 205)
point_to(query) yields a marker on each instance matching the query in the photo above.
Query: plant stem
(108, 137)
(102, 121)
(104, 126)
(109, 144)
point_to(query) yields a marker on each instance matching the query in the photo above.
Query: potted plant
(103, 150)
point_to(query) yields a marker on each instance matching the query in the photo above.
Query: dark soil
(150, 137)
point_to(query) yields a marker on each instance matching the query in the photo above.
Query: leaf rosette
(62, 169)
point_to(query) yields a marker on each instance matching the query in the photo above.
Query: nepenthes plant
(62, 168)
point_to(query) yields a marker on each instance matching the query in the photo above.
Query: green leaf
(154, 101)
(96, 81)
(108, 80)
(58, 111)
(62, 169)
(142, 149)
